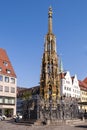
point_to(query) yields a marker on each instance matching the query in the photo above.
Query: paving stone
(11, 125)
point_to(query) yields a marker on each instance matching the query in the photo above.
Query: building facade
(8, 83)
(69, 85)
(75, 88)
(49, 79)
(83, 89)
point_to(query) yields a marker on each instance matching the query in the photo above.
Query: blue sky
(23, 26)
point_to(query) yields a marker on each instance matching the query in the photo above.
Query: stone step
(75, 121)
(30, 122)
(38, 123)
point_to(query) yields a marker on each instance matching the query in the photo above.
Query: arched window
(50, 68)
(48, 48)
(50, 90)
(52, 45)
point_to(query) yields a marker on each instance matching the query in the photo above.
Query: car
(2, 117)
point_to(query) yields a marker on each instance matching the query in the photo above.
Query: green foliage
(27, 95)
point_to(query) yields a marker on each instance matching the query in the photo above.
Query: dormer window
(0, 69)
(8, 71)
(5, 63)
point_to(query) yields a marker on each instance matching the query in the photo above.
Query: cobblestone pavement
(9, 125)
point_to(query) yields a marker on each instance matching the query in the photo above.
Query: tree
(27, 95)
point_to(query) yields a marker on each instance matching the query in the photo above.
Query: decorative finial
(50, 8)
(50, 20)
(50, 11)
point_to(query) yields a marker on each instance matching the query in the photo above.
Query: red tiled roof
(4, 68)
(62, 75)
(82, 85)
(85, 80)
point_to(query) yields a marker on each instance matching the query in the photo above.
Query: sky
(24, 25)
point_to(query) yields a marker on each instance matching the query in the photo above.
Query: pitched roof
(5, 64)
(85, 80)
(62, 75)
(82, 85)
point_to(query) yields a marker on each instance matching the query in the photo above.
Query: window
(5, 63)
(8, 100)
(7, 79)
(1, 78)
(63, 81)
(13, 80)
(0, 69)
(65, 94)
(11, 101)
(69, 89)
(12, 90)
(6, 89)
(8, 71)
(68, 82)
(65, 88)
(1, 88)
(1, 100)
